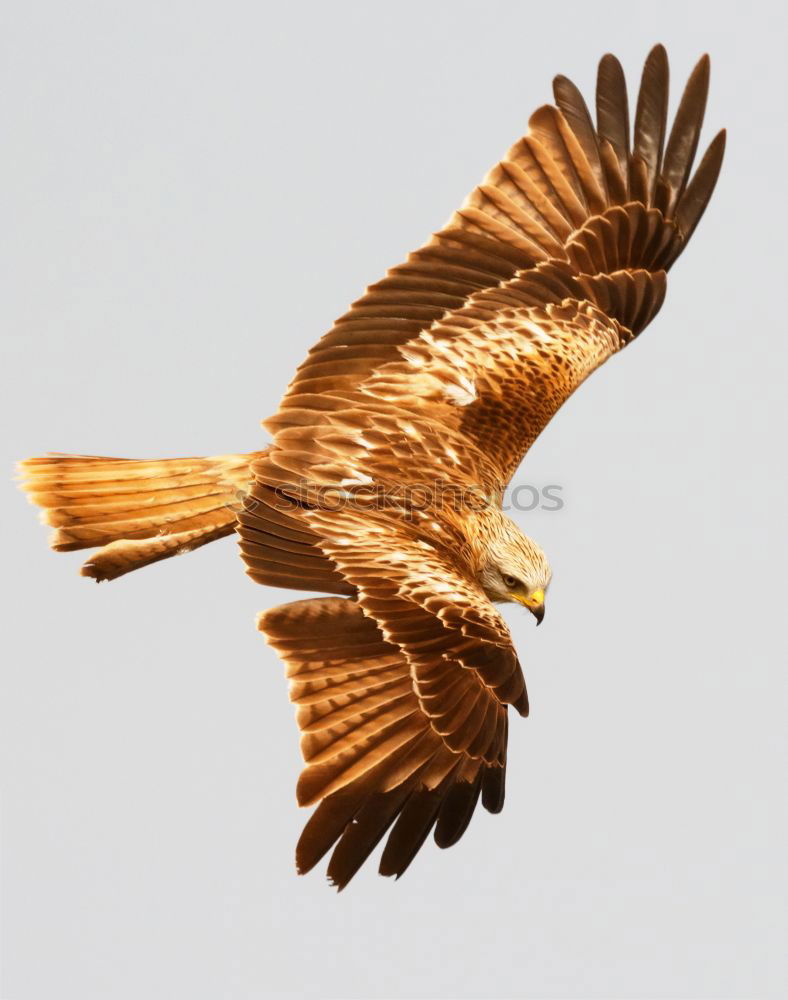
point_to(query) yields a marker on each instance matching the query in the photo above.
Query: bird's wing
(402, 698)
(553, 263)
(408, 579)
(468, 397)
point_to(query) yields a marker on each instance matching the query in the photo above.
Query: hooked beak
(535, 604)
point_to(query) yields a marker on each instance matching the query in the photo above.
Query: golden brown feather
(390, 453)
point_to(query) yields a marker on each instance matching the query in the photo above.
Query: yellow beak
(534, 602)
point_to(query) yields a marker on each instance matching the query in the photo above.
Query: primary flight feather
(391, 451)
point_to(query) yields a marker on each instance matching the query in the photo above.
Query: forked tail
(135, 511)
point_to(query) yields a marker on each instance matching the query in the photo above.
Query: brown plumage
(138, 511)
(390, 453)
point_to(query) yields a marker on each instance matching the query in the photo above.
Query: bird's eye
(511, 581)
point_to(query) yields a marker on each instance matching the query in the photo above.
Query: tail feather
(135, 511)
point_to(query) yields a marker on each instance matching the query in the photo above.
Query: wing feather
(651, 116)
(342, 670)
(445, 372)
(572, 217)
(612, 112)
(683, 141)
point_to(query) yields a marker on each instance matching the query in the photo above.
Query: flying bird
(390, 452)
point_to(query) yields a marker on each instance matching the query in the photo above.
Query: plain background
(191, 192)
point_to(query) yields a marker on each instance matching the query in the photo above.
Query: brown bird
(390, 453)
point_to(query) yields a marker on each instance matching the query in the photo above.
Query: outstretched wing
(443, 374)
(556, 261)
(402, 699)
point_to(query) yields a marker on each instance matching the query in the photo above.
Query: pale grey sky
(191, 193)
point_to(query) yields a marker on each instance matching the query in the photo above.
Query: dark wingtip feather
(567, 94)
(700, 189)
(364, 833)
(612, 108)
(651, 114)
(684, 135)
(574, 109)
(323, 828)
(456, 811)
(522, 705)
(494, 788)
(412, 828)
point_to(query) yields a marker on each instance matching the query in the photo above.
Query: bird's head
(516, 569)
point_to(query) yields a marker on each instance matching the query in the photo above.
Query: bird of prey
(390, 452)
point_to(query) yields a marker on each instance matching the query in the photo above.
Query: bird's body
(390, 453)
